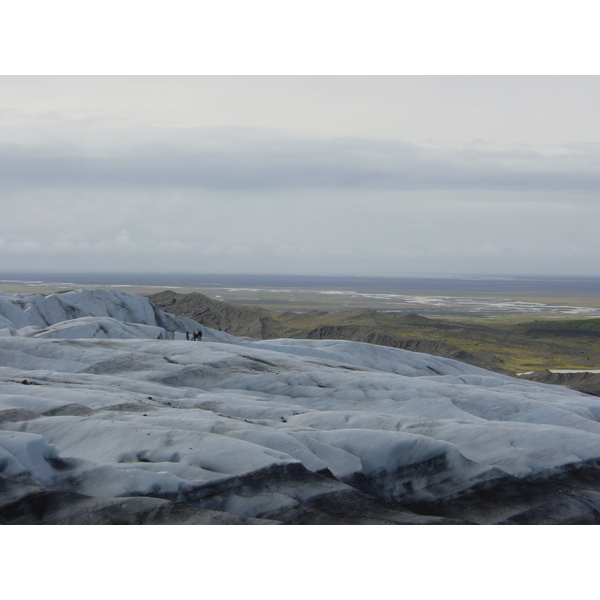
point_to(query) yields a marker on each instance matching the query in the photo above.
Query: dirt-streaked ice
(95, 399)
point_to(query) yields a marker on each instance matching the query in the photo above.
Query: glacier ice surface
(95, 399)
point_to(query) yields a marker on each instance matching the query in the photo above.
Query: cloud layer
(99, 187)
(251, 160)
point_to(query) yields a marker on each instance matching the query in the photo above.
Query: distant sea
(422, 294)
(462, 284)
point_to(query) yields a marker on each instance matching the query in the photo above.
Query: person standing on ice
(187, 335)
(199, 335)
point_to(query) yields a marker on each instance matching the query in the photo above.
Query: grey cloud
(240, 159)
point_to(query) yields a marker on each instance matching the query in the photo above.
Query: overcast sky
(382, 175)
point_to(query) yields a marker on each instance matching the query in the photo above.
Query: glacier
(106, 419)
